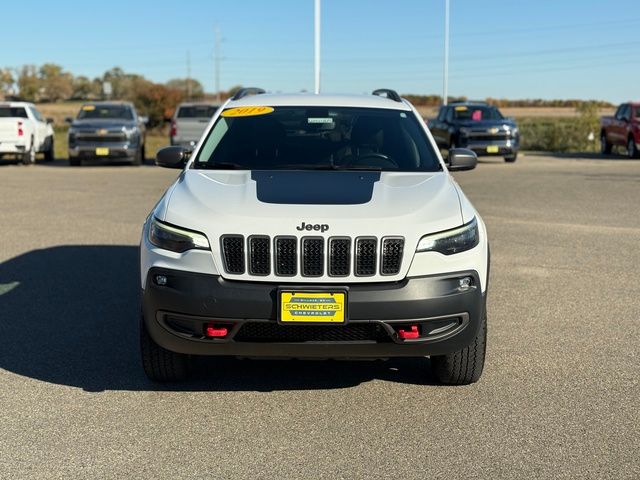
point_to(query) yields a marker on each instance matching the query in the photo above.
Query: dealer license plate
(102, 151)
(313, 306)
(493, 149)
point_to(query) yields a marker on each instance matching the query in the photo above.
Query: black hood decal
(314, 187)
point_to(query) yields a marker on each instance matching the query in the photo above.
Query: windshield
(119, 112)
(197, 111)
(476, 113)
(15, 112)
(292, 138)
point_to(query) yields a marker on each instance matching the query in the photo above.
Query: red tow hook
(409, 334)
(212, 331)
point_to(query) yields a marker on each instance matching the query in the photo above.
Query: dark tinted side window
(449, 115)
(197, 111)
(442, 113)
(13, 112)
(622, 109)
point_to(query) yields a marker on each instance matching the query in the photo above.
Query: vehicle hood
(91, 124)
(277, 202)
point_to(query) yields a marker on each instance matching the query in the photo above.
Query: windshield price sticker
(461, 109)
(88, 108)
(246, 111)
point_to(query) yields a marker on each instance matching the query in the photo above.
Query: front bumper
(117, 151)
(176, 315)
(485, 147)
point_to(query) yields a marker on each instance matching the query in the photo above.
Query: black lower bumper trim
(178, 313)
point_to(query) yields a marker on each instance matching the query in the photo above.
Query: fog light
(161, 280)
(464, 283)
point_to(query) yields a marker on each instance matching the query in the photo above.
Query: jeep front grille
(233, 253)
(339, 257)
(366, 257)
(392, 250)
(286, 261)
(259, 255)
(312, 256)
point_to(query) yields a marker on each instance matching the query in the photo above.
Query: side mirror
(172, 157)
(144, 120)
(68, 120)
(462, 159)
(50, 121)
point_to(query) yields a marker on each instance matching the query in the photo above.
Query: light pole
(317, 45)
(445, 82)
(217, 63)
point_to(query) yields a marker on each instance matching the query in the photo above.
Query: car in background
(477, 126)
(622, 129)
(107, 131)
(189, 122)
(24, 132)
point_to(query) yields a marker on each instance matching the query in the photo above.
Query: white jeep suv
(315, 226)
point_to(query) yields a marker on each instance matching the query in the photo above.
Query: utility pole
(217, 63)
(317, 45)
(445, 93)
(188, 75)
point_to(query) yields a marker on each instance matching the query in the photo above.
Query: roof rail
(245, 92)
(387, 93)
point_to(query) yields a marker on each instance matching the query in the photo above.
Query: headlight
(452, 241)
(464, 131)
(176, 239)
(129, 132)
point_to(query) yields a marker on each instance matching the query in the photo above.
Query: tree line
(436, 101)
(51, 83)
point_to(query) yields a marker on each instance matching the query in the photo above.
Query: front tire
(632, 149)
(464, 366)
(159, 364)
(511, 158)
(605, 146)
(138, 158)
(29, 156)
(74, 162)
(49, 154)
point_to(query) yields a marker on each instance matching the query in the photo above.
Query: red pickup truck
(622, 129)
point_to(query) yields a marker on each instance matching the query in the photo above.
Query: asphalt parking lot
(558, 398)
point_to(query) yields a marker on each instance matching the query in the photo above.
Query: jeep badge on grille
(322, 227)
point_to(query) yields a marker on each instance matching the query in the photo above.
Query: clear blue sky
(515, 49)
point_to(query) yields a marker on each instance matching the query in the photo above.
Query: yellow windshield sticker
(246, 111)
(461, 109)
(88, 108)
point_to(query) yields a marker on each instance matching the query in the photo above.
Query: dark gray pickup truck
(108, 131)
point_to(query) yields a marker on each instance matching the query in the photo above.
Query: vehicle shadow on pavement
(70, 317)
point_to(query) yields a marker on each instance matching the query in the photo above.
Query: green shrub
(562, 134)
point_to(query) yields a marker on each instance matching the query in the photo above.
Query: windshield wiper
(358, 167)
(221, 166)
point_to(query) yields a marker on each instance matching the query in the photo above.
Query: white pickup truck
(24, 132)
(189, 123)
